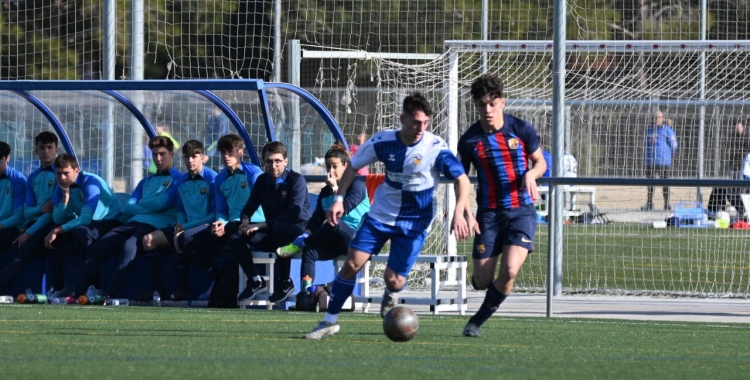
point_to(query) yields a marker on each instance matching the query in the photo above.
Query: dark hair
(416, 102)
(337, 150)
(274, 147)
(46, 137)
(161, 141)
(487, 84)
(192, 147)
(229, 142)
(65, 160)
(4, 149)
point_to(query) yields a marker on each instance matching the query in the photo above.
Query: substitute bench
(437, 301)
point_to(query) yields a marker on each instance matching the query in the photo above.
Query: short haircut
(337, 150)
(4, 149)
(487, 84)
(192, 147)
(46, 137)
(229, 142)
(65, 160)
(274, 147)
(161, 141)
(416, 102)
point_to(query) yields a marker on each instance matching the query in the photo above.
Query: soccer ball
(401, 324)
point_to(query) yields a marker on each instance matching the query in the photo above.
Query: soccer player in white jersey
(403, 207)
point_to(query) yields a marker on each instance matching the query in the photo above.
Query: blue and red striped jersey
(501, 159)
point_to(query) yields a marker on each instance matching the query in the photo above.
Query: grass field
(72, 342)
(635, 258)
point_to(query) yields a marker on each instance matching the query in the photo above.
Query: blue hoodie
(13, 195)
(661, 143)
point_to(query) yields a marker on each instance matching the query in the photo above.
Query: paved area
(614, 307)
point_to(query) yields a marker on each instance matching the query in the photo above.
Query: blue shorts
(405, 244)
(169, 234)
(504, 227)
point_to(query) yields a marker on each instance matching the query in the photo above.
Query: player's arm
(31, 210)
(337, 208)
(18, 184)
(132, 207)
(92, 193)
(463, 224)
(538, 167)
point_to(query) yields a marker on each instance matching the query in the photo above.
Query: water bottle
(95, 300)
(156, 299)
(117, 302)
(6, 299)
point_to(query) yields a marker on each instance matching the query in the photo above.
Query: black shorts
(499, 228)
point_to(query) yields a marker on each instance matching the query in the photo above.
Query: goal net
(613, 92)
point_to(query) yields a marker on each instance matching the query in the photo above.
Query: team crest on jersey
(417, 159)
(166, 183)
(391, 157)
(513, 143)
(283, 194)
(49, 183)
(203, 191)
(481, 249)
(243, 185)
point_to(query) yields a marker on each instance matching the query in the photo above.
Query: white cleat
(322, 330)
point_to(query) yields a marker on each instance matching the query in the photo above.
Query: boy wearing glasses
(282, 193)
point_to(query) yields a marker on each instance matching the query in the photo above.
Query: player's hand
(217, 228)
(460, 226)
(335, 213)
(47, 207)
(249, 229)
(330, 181)
(175, 241)
(529, 184)
(50, 238)
(21, 239)
(472, 222)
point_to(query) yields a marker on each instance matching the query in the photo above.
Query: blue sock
(341, 290)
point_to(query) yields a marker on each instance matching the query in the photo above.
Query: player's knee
(480, 282)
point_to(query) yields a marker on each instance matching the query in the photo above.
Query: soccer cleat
(282, 292)
(647, 207)
(322, 330)
(287, 250)
(252, 290)
(389, 302)
(472, 330)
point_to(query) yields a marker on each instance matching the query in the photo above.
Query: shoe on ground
(287, 250)
(472, 330)
(282, 292)
(647, 207)
(390, 300)
(252, 290)
(322, 330)
(667, 207)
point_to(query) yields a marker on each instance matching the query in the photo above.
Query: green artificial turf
(73, 342)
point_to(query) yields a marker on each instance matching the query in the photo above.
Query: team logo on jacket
(417, 159)
(166, 183)
(283, 194)
(513, 143)
(481, 249)
(203, 191)
(49, 183)
(243, 185)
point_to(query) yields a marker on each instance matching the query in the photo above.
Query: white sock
(331, 318)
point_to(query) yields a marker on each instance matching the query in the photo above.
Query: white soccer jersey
(406, 198)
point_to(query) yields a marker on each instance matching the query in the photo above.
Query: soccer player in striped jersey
(500, 147)
(403, 208)
(193, 193)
